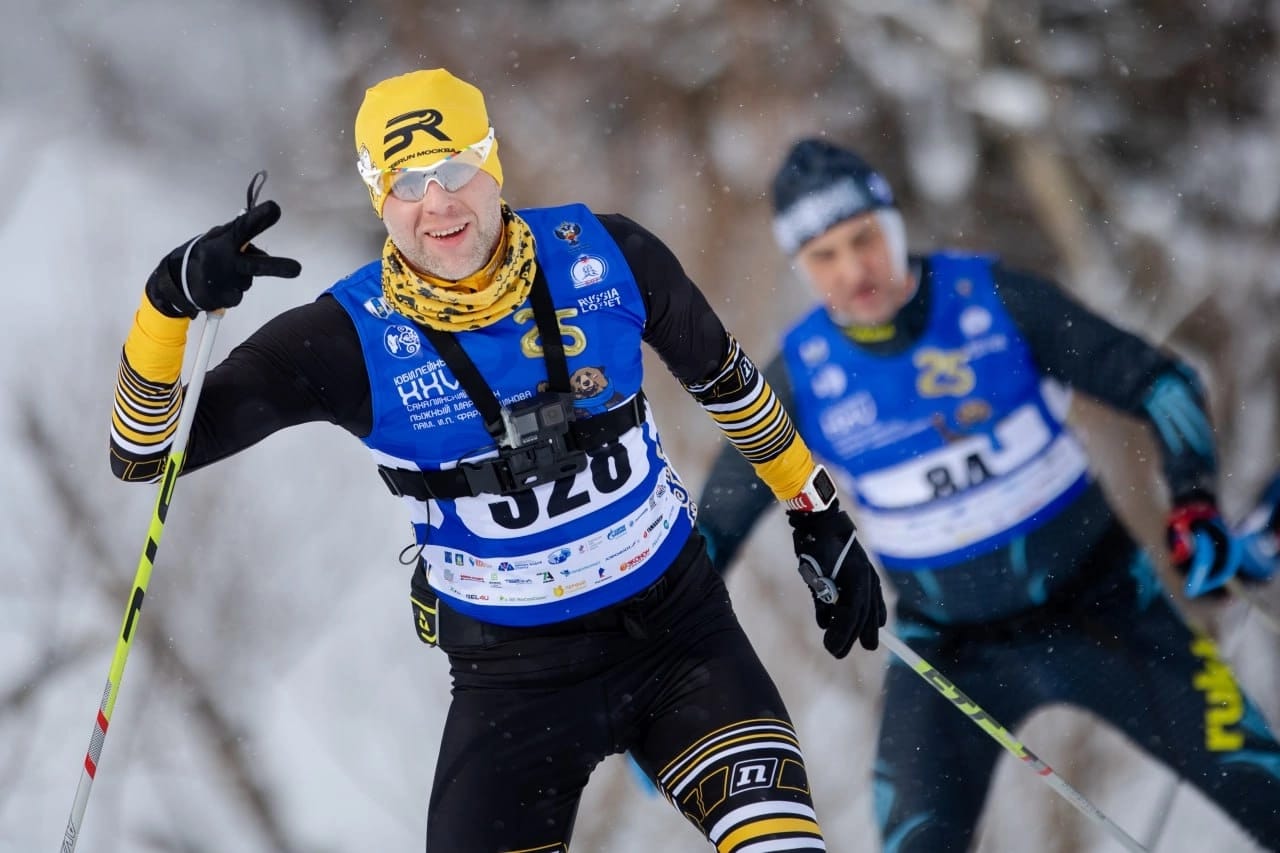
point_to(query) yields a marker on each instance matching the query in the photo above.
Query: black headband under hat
(820, 185)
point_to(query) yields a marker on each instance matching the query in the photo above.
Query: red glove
(1200, 545)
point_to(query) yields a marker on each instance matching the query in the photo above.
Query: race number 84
(945, 482)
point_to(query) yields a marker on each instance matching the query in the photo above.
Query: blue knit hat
(820, 185)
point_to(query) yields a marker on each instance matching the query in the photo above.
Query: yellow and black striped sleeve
(752, 417)
(148, 394)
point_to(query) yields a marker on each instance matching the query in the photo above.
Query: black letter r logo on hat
(429, 120)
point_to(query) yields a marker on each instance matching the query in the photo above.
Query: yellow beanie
(418, 119)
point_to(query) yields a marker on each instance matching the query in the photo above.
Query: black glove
(847, 600)
(214, 270)
(1201, 547)
(426, 607)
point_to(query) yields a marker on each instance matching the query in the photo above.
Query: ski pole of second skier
(1242, 591)
(1001, 735)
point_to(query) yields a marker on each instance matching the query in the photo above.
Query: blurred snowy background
(276, 698)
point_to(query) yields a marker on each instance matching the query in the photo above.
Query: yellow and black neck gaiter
(480, 299)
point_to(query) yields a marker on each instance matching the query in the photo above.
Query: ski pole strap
(496, 476)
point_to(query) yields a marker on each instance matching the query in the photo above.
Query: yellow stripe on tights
(761, 828)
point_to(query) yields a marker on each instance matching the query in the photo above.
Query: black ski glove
(213, 271)
(847, 599)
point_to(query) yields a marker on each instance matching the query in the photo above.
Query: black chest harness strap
(539, 440)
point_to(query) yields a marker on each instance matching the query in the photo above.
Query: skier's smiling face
(449, 235)
(851, 269)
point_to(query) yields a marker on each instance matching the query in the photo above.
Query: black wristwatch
(818, 493)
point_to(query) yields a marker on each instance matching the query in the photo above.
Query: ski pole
(142, 577)
(1239, 589)
(1001, 735)
(173, 465)
(824, 589)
